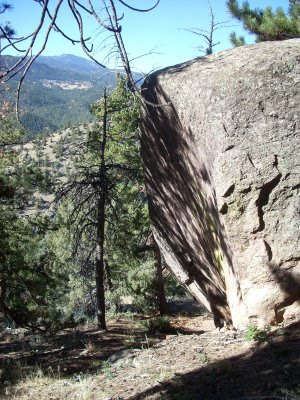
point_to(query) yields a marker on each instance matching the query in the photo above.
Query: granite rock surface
(221, 149)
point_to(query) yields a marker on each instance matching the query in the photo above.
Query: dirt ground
(196, 361)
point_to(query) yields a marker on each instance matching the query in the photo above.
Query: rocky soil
(197, 362)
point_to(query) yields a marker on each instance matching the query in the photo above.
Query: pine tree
(237, 41)
(105, 207)
(27, 284)
(108, 168)
(266, 25)
(6, 31)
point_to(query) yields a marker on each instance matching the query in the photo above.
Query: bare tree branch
(100, 22)
(109, 22)
(208, 35)
(39, 52)
(13, 42)
(138, 9)
(29, 49)
(73, 41)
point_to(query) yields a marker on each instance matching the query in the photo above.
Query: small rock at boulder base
(227, 126)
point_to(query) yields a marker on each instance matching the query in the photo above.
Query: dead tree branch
(108, 20)
(208, 35)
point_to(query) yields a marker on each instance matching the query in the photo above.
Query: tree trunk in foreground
(100, 290)
(100, 265)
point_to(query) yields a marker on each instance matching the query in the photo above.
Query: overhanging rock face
(222, 162)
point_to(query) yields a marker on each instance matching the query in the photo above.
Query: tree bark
(100, 264)
(100, 290)
(4, 309)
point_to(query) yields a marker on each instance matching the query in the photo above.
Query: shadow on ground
(73, 351)
(76, 351)
(270, 371)
(186, 306)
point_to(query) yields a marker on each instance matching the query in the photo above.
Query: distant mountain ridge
(71, 62)
(58, 91)
(66, 66)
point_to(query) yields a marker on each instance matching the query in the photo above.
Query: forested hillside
(58, 91)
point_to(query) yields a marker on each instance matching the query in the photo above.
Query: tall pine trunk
(100, 266)
(100, 289)
(2, 296)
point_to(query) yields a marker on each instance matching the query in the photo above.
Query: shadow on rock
(182, 202)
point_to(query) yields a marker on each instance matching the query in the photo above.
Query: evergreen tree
(6, 31)
(266, 25)
(27, 285)
(105, 204)
(237, 41)
(109, 166)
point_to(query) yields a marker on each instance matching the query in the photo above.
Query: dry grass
(50, 386)
(212, 365)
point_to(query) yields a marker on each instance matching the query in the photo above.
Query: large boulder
(221, 149)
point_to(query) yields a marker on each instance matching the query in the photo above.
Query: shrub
(259, 335)
(158, 325)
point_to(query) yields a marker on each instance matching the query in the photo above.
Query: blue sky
(161, 29)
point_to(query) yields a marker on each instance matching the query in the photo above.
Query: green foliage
(6, 30)
(157, 325)
(25, 272)
(237, 41)
(28, 288)
(258, 335)
(173, 288)
(107, 369)
(123, 206)
(47, 107)
(73, 300)
(123, 143)
(47, 264)
(36, 124)
(266, 24)
(50, 109)
(128, 271)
